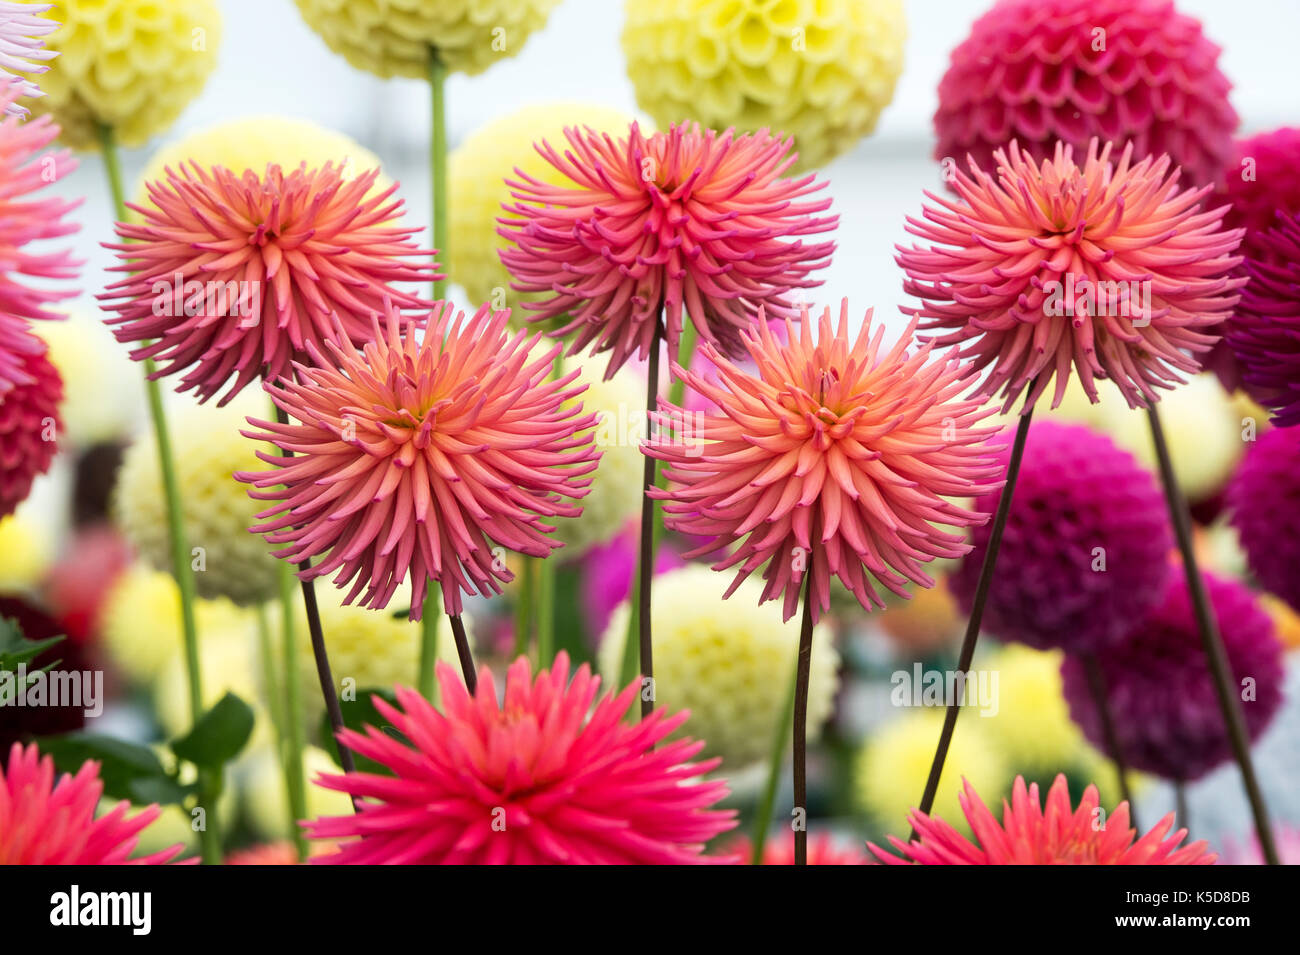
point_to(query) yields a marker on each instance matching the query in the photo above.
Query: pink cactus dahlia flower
(1108, 268)
(44, 822)
(552, 775)
(832, 447)
(22, 50)
(235, 276)
(423, 458)
(29, 428)
(1032, 835)
(648, 225)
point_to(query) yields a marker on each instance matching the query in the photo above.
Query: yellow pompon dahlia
(229, 661)
(25, 553)
(1032, 724)
(264, 804)
(89, 362)
(821, 71)
(132, 65)
(476, 173)
(729, 662)
(393, 37)
(894, 763)
(228, 560)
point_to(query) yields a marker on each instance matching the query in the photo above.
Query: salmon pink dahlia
(49, 822)
(236, 275)
(1030, 834)
(636, 229)
(423, 458)
(1108, 268)
(552, 775)
(833, 451)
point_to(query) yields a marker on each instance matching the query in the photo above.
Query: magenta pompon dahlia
(235, 275)
(834, 454)
(49, 822)
(1263, 502)
(29, 427)
(1127, 71)
(423, 458)
(1109, 269)
(551, 775)
(1031, 834)
(22, 50)
(640, 228)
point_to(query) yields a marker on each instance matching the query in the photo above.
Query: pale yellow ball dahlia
(262, 786)
(1032, 724)
(730, 662)
(26, 551)
(93, 365)
(393, 37)
(228, 659)
(821, 71)
(133, 65)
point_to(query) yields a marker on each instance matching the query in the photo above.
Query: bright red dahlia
(29, 427)
(423, 458)
(234, 276)
(552, 775)
(639, 228)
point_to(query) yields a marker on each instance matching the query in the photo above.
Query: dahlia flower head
(821, 71)
(1161, 693)
(641, 233)
(427, 459)
(1048, 71)
(1260, 178)
(553, 775)
(29, 428)
(22, 49)
(1264, 332)
(1033, 834)
(131, 65)
(1032, 725)
(1107, 268)
(44, 821)
(88, 360)
(834, 456)
(1085, 547)
(393, 37)
(1263, 502)
(725, 662)
(238, 276)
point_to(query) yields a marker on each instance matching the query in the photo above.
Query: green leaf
(123, 765)
(16, 649)
(219, 734)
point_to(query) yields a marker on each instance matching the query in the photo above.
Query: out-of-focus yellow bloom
(25, 553)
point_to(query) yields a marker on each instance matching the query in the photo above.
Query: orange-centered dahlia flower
(1109, 268)
(1030, 834)
(833, 453)
(423, 458)
(552, 775)
(641, 227)
(235, 275)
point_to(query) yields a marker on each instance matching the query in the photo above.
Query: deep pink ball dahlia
(423, 457)
(551, 775)
(1161, 693)
(49, 822)
(1107, 268)
(1039, 71)
(1264, 332)
(1264, 504)
(29, 428)
(235, 275)
(1086, 546)
(640, 228)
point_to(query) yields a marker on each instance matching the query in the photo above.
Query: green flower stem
(781, 736)
(429, 640)
(295, 778)
(180, 551)
(438, 159)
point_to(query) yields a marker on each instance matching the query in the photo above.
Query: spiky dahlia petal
(835, 453)
(1264, 507)
(29, 428)
(1033, 834)
(44, 821)
(22, 50)
(1107, 268)
(687, 220)
(236, 276)
(552, 774)
(423, 458)
(1043, 71)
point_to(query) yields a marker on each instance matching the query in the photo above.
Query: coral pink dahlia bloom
(1030, 834)
(234, 276)
(646, 226)
(834, 453)
(551, 775)
(1108, 268)
(423, 458)
(44, 822)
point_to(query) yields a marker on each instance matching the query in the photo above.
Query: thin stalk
(438, 158)
(295, 778)
(803, 667)
(429, 640)
(462, 651)
(182, 570)
(1212, 643)
(1101, 700)
(646, 557)
(780, 737)
(977, 607)
(1180, 806)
